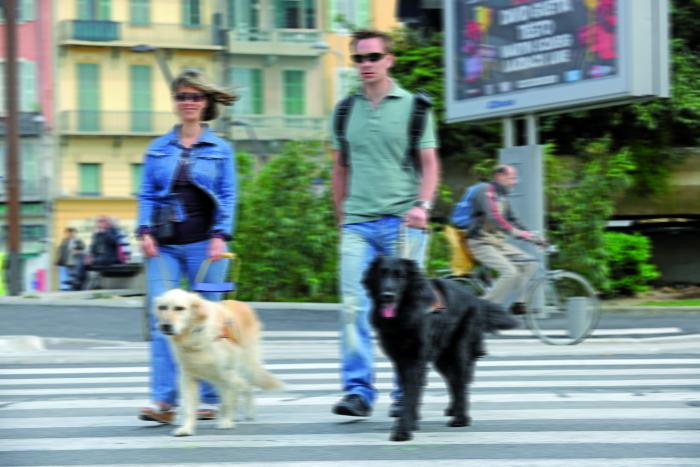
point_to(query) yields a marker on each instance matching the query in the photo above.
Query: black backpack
(422, 102)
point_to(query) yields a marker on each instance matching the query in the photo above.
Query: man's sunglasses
(189, 96)
(372, 57)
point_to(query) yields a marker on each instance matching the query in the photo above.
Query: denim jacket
(212, 168)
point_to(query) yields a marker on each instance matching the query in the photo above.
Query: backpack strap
(340, 125)
(422, 102)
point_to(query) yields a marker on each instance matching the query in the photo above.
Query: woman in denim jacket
(190, 176)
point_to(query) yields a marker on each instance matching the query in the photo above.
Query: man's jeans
(360, 243)
(176, 262)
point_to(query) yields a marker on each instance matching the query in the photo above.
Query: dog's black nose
(166, 328)
(387, 296)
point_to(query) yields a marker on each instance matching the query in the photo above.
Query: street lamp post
(324, 47)
(12, 184)
(160, 59)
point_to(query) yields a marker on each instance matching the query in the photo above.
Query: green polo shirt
(378, 184)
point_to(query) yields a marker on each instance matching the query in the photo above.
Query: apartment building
(112, 98)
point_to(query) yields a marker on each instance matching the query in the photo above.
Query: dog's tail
(266, 380)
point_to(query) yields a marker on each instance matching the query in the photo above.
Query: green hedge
(286, 235)
(627, 259)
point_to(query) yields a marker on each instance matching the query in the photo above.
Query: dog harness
(438, 305)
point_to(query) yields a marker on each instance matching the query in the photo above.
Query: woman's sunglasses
(372, 57)
(189, 96)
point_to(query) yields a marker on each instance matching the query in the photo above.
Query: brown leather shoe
(164, 416)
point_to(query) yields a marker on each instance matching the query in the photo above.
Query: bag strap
(422, 102)
(340, 125)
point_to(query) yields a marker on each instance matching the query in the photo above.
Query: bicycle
(562, 306)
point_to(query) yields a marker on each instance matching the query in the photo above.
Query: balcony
(286, 127)
(99, 123)
(295, 42)
(117, 34)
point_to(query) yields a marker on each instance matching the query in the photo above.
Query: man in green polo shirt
(374, 192)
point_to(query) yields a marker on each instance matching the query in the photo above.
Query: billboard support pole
(532, 129)
(508, 132)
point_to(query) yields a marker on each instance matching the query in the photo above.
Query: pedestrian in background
(69, 256)
(186, 214)
(374, 192)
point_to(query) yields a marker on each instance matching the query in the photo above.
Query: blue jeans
(360, 243)
(177, 261)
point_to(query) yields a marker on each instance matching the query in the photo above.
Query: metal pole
(12, 180)
(508, 132)
(532, 130)
(163, 64)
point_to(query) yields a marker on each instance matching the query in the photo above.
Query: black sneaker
(352, 405)
(518, 308)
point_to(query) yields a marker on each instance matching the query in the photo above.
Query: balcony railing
(95, 122)
(279, 127)
(277, 42)
(90, 30)
(155, 34)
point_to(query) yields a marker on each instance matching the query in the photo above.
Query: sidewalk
(133, 298)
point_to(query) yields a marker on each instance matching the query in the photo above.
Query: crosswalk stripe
(327, 401)
(534, 462)
(427, 414)
(381, 375)
(381, 364)
(432, 384)
(676, 437)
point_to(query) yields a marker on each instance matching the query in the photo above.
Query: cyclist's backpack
(123, 247)
(419, 113)
(463, 212)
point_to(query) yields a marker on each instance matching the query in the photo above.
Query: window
(243, 15)
(141, 113)
(88, 97)
(30, 171)
(139, 12)
(294, 92)
(26, 85)
(353, 12)
(26, 11)
(191, 13)
(136, 174)
(249, 84)
(295, 14)
(90, 179)
(99, 10)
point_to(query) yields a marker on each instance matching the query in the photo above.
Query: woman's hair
(215, 94)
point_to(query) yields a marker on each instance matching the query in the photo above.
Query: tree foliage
(286, 235)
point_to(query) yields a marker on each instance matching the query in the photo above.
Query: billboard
(508, 57)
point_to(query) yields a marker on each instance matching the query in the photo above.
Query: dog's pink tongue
(388, 311)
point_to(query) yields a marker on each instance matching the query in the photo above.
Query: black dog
(421, 321)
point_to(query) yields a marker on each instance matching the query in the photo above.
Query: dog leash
(401, 243)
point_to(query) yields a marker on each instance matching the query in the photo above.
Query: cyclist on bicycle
(490, 222)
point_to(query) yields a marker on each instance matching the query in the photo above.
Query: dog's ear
(199, 307)
(419, 286)
(369, 279)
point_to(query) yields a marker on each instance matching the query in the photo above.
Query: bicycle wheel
(562, 308)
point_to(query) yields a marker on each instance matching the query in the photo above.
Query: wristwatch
(421, 203)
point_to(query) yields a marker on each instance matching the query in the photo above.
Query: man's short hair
(363, 34)
(501, 169)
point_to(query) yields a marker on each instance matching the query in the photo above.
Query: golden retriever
(217, 342)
